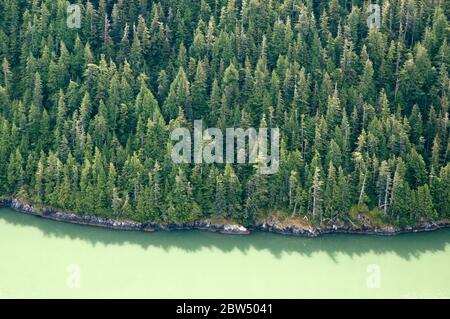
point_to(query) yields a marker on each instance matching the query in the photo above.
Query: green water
(41, 258)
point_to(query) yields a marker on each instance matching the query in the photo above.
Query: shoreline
(267, 225)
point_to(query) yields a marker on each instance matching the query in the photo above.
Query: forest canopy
(86, 113)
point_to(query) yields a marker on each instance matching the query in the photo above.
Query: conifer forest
(86, 111)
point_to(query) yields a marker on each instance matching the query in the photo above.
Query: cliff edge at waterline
(288, 226)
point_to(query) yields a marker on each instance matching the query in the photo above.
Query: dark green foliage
(86, 114)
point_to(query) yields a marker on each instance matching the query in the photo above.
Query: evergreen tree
(86, 115)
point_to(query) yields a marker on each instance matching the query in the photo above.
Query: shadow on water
(407, 246)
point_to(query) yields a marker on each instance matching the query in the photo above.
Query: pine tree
(186, 209)
(15, 171)
(417, 174)
(232, 193)
(179, 96)
(424, 203)
(316, 193)
(199, 92)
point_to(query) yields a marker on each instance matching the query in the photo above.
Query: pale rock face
(235, 228)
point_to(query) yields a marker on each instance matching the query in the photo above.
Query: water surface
(42, 258)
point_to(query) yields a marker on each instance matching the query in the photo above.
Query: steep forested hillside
(86, 113)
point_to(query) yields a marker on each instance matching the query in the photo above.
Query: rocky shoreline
(274, 227)
(267, 225)
(128, 225)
